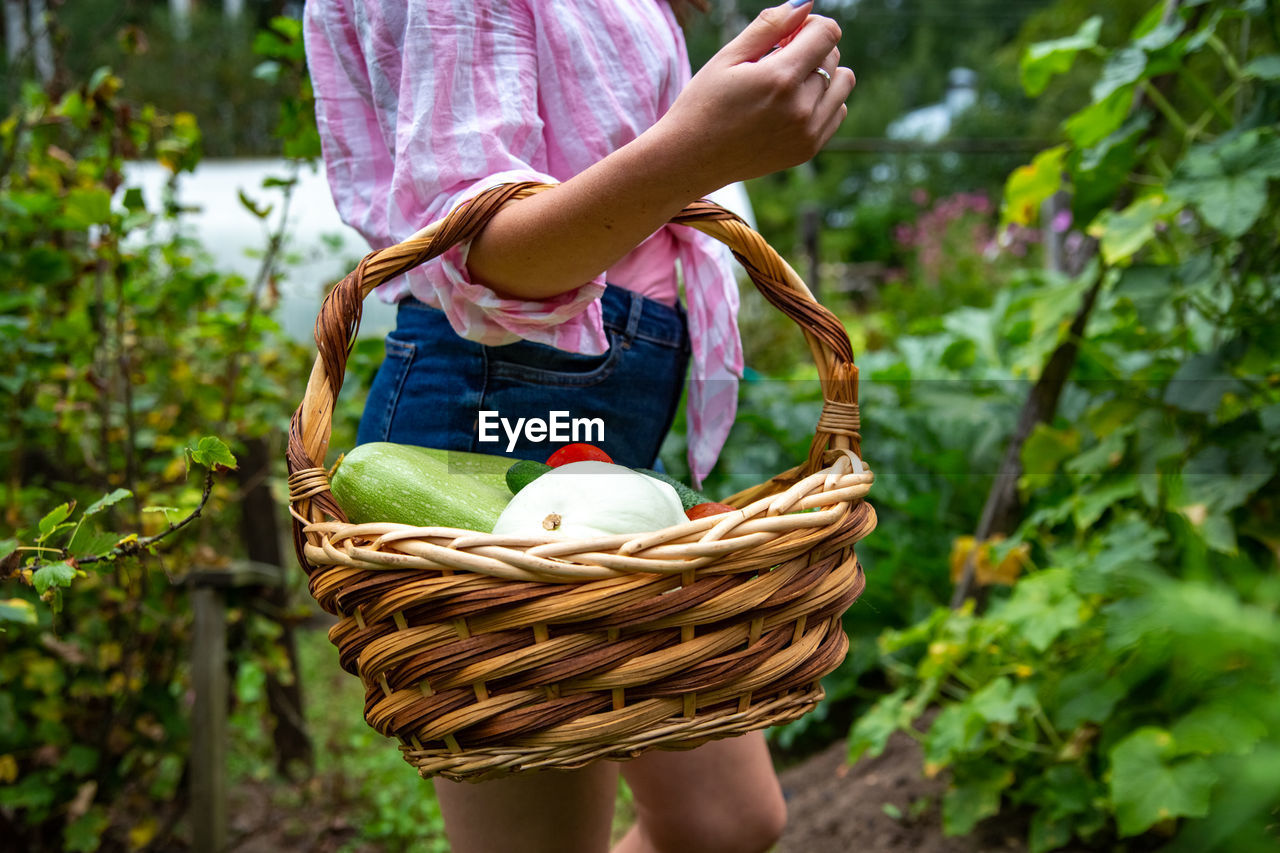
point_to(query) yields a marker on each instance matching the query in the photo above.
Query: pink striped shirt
(421, 105)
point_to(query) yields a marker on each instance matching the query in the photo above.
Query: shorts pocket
(526, 361)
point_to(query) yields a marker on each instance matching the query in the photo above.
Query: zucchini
(422, 486)
(688, 497)
(525, 472)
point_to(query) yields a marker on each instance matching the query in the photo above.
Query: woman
(569, 299)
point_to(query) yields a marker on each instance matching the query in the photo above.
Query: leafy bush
(124, 346)
(1125, 687)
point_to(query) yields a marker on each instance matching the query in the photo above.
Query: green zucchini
(688, 497)
(405, 484)
(525, 472)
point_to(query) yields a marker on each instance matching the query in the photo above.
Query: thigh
(553, 811)
(723, 795)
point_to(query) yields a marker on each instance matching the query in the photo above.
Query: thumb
(768, 29)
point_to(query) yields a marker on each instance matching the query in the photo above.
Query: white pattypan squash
(585, 499)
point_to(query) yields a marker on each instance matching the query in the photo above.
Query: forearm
(753, 109)
(555, 241)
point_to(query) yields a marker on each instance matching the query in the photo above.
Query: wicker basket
(486, 654)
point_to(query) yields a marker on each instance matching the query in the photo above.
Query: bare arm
(747, 113)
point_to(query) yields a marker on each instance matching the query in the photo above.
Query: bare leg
(722, 797)
(552, 811)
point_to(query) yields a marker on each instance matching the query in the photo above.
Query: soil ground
(879, 805)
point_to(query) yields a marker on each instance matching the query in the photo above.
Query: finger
(808, 48)
(831, 62)
(831, 106)
(825, 72)
(770, 28)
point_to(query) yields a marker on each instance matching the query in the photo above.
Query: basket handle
(340, 313)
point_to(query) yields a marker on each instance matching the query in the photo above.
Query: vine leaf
(53, 575)
(965, 805)
(1046, 59)
(1149, 784)
(1226, 180)
(210, 452)
(107, 500)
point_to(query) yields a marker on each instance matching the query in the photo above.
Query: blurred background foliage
(1024, 193)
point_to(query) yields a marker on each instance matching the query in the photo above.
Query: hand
(758, 105)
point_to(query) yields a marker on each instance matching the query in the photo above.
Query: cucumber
(688, 497)
(401, 483)
(525, 472)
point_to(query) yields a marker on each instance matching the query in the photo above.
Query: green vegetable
(525, 472)
(688, 497)
(401, 483)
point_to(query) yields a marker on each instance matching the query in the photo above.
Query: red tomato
(578, 452)
(710, 508)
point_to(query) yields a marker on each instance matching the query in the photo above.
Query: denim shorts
(436, 389)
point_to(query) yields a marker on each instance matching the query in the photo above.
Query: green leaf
(1124, 233)
(133, 200)
(1104, 168)
(1221, 727)
(1200, 383)
(1226, 179)
(85, 207)
(1000, 701)
(1224, 478)
(1101, 457)
(1055, 306)
(872, 731)
(1028, 187)
(1048, 833)
(253, 207)
(1123, 68)
(1264, 67)
(56, 516)
(1044, 60)
(53, 575)
(44, 265)
(1162, 35)
(1149, 784)
(954, 731)
(1100, 119)
(7, 547)
(90, 542)
(1125, 549)
(977, 797)
(84, 834)
(211, 452)
(1092, 502)
(107, 500)
(1086, 696)
(1041, 607)
(1043, 454)
(17, 610)
(80, 759)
